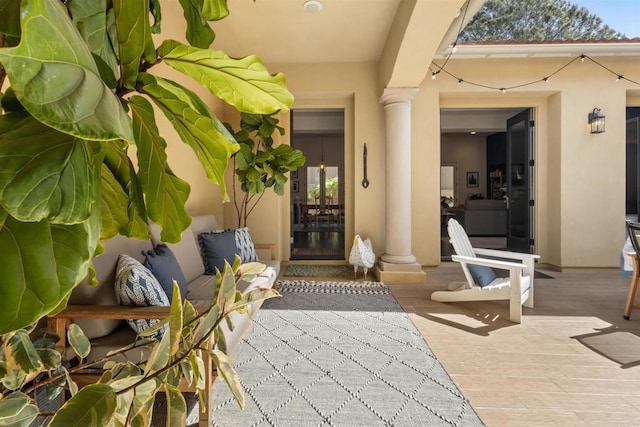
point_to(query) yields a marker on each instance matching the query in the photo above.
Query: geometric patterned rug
(339, 354)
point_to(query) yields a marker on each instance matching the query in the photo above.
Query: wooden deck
(574, 360)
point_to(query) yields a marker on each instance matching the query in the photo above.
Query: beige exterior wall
(580, 177)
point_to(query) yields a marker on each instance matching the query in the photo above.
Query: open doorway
(317, 188)
(493, 194)
(633, 164)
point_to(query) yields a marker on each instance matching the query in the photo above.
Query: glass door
(323, 196)
(519, 182)
(317, 190)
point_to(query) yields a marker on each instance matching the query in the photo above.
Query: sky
(621, 15)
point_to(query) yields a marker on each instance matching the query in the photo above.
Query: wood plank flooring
(574, 361)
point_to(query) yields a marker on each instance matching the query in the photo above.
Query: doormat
(313, 270)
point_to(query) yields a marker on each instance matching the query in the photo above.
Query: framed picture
(294, 174)
(295, 186)
(473, 179)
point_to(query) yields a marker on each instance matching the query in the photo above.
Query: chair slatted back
(459, 239)
(462, 245)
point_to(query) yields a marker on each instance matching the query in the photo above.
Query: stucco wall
(579, 181)
(580, 178)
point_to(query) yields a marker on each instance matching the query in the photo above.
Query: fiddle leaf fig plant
(79, 96)
(259, 164)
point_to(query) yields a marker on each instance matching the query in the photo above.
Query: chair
(323, 211)
(482, 283)
(303, 216)
(633, 228)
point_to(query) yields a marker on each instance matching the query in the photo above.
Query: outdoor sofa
(96, 310)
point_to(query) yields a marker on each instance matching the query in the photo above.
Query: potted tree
(259, 164)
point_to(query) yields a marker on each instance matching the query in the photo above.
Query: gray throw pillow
(164, 266)
(217, 248)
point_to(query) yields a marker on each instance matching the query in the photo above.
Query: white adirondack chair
(517, 287)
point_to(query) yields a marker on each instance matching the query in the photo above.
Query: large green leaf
(56, 78)
(40, 264)
(244, 83)
(214, 10)
(228, 372)
(16, 410)
(114, 203)
(22, 360)
(10, 17)
(196, 125)
(90, 17)
(199, 33)
(47, 174)
(134, 37)
(78, 340)
(176, 407)
(125, 183)
(166, 194)
(94, 405)
(175, 320)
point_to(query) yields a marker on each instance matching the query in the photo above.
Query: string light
(545, 79)
(440, 68)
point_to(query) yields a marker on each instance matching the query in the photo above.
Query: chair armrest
(505, 254)
(503, 265)
(271, 247)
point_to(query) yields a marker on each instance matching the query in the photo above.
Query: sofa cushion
(164, 266)
(217, 247)
(203, 224)
(104, 292)
(202, 288)
(186, 252)
(135, 285)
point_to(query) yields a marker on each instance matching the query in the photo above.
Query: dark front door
(519, 182)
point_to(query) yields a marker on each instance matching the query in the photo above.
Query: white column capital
(398, 95)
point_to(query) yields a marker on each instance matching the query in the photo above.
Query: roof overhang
(542, 50)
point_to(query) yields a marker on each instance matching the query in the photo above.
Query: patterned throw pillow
(246, 250)
(135, 285)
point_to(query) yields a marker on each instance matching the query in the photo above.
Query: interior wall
(316, 147)
(469, 153)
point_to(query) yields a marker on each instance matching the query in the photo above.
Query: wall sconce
(596, 121)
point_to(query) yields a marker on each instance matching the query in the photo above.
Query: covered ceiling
(402, 36)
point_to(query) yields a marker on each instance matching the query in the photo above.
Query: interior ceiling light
(312, 6)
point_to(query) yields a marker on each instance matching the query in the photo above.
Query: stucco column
(398, 263)
(397, 108)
